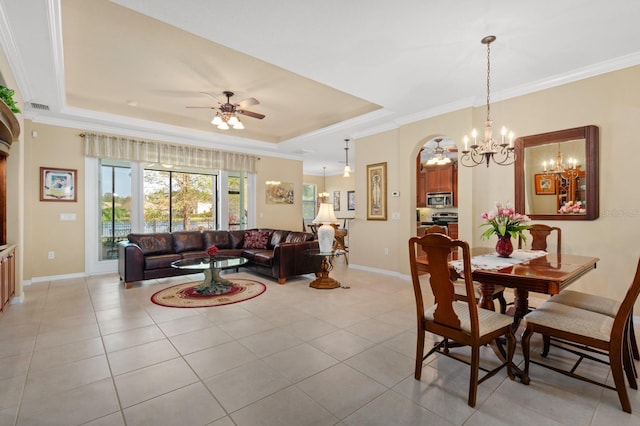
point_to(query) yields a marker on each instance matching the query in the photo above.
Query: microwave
(439, 200)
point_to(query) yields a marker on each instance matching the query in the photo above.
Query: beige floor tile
(341, 344)
(244, 385)
(383, 365)
(190, 405)
(269, 342)
(64, 354)
(126, 339)
(141, 356)
(287, 407)
(149, 382)
(218, 359)
(300, 362)
(184, 325)
(198, 340)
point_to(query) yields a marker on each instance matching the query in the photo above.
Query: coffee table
(213, 283)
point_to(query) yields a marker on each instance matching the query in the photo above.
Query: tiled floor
(87, 351)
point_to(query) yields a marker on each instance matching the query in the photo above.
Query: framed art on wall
(351, 200)
(377, 191)
(58, 184)
(336, 201)
(279, 192)
(545, 185)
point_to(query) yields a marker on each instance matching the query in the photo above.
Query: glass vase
(504, 248)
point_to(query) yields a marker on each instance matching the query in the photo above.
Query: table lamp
(326, 233)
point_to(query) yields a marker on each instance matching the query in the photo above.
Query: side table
(324, 281)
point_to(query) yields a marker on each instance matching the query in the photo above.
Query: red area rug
(184, 296)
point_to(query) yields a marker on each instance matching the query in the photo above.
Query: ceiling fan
(440, 153)
(228, 112)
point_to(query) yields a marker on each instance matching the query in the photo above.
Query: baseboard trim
(58, 277)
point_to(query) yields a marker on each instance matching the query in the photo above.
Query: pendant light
(347, 169)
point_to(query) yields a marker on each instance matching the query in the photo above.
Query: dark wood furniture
(590, 329)
(460, 290)
(7, 274)
(539, 233)
(456, 321)
(9, 132)
(547, 274)
(212, 283)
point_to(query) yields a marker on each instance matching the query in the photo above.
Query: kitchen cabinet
(452, 229)
(421, 183)
(440, 178)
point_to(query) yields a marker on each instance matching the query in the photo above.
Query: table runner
(493, 262)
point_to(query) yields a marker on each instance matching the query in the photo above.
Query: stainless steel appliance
(439, 200)
(444, 218)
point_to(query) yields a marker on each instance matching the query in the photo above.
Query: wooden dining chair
(588, 329)
(463, 323)
(539, 234)
(460, 289)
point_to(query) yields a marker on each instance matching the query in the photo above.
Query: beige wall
(62, 147)
(609, 101)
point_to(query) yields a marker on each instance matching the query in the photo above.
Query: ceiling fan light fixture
(217, 120)
(232, 121)
(223, 126)
(238, 125)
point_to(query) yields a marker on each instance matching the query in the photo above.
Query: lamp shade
(326, 214)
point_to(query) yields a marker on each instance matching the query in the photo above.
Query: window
(115, 208)
(308, 201)
(237, 185)
(179, 201)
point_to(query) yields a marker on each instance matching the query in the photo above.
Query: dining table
(526, 271)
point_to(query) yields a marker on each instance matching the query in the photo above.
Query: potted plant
(6, 95)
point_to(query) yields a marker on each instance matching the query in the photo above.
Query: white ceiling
(322, 71)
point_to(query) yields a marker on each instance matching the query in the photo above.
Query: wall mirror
(556, 174)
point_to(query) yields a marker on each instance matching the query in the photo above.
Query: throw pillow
(256, 239)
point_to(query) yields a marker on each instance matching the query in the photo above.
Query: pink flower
(212, 250)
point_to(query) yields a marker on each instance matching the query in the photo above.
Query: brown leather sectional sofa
(279, 254)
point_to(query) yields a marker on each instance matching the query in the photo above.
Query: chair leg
(511, 349)
(615, 360)
(634, 342)
(627, 358)
(525, 341)
(419, 354)
(546, 340)
(503, 303)
(473, 377)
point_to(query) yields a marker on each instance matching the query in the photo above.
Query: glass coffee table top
(213, 283)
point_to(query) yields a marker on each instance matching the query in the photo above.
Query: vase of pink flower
(571, 207)
(212, 251)
(505, 223)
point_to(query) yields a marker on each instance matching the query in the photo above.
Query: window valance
(121, 148)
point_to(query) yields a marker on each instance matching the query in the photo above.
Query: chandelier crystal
(483, 151)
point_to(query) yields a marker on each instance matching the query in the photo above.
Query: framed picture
(377, 191)
(58, 184)
(279, 192)
(545, 184)
(351, 200)
(336, 201)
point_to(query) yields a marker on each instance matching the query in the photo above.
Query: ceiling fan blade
(250, 114)
(211, 96)
(247, 102)
(207, 107)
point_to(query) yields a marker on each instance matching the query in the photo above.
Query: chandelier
(347, 169)
(558, 167)
(439, 157)
(324, 195)
(487, 149)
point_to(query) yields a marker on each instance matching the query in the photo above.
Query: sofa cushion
(256, 239)
(298, 237)
(220, 239)
(263, 257)
(160, 261)
(187, 241)
(159, 243)
(237, 239)
(278, 236)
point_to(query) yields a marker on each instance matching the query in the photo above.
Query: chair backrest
(539, 234)
(438, 248)
(435, 229)
(626, 307)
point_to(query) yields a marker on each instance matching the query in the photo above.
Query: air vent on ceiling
(39, 106)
